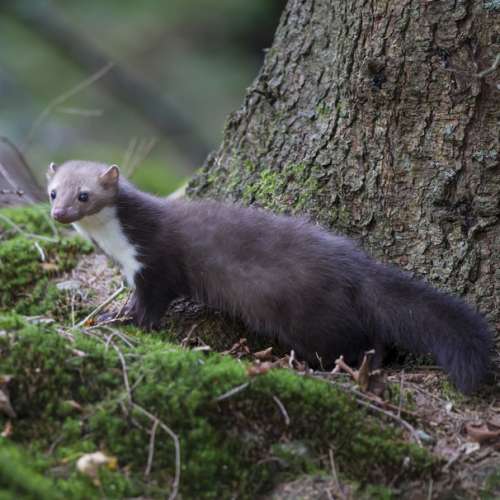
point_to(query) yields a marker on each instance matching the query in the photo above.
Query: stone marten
(315, 292)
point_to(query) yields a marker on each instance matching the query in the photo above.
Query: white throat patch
(105, 230)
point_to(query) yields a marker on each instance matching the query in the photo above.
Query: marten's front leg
(148, 304)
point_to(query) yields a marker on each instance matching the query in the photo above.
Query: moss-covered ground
(129, 394)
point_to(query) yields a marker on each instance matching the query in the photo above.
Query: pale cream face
(80, 188)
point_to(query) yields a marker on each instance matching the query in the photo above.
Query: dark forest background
(199, 55)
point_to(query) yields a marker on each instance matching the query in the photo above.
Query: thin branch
(401, 392)
(399, 420)
(64, 97)
(43, 258)
(232, 392)
(151, 451)
(125, 373)
(99, 308)
(334, 474)
(175, 439)
(282, 408)
(23, 232)
(187, 338)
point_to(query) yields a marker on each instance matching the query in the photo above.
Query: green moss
(21, 265)
(491, 489)
(240, 445)
(34, 219)
(19, 476)
(26, 262)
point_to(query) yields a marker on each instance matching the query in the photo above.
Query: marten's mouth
(64, 215)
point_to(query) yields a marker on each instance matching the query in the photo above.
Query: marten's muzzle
(64, 215)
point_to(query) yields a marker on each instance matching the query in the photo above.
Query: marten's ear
(110, 177)
(52, 170)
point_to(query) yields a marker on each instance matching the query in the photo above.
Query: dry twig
(151, 451)
(394, 417)
(232, 392)
(175, 439)
(282, 408)
(334, 475)
(99, 308)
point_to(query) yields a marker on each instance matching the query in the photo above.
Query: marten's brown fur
(316, 292)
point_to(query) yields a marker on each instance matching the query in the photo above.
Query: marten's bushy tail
(422, 319)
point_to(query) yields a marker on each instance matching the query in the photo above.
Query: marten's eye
(53, 194)
(83, 196)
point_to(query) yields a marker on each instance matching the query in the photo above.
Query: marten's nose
(60, 214)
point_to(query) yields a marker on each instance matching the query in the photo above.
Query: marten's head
(80, 188)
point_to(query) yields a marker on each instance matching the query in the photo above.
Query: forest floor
(196, 411)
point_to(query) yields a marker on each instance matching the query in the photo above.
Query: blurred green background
(200, 55)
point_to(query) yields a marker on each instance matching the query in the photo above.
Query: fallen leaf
(90, 463)
(259, 368)
(238, 349)
(264, 355)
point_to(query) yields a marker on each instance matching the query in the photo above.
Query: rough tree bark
(379, 119)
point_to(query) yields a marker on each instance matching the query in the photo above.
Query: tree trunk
(379, 120)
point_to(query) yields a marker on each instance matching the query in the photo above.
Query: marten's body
(318, 293)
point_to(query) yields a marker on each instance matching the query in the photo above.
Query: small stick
(23, 232)
(320, 362)
(400, 421)
(334, 474)
(151, 452)
(187, 338)
(175, 439)
(401, 392)
(125, 373)
(282, 408)
(99, 308)
(429, 494)
(40, 251)
(232, 392)
(342, 365)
